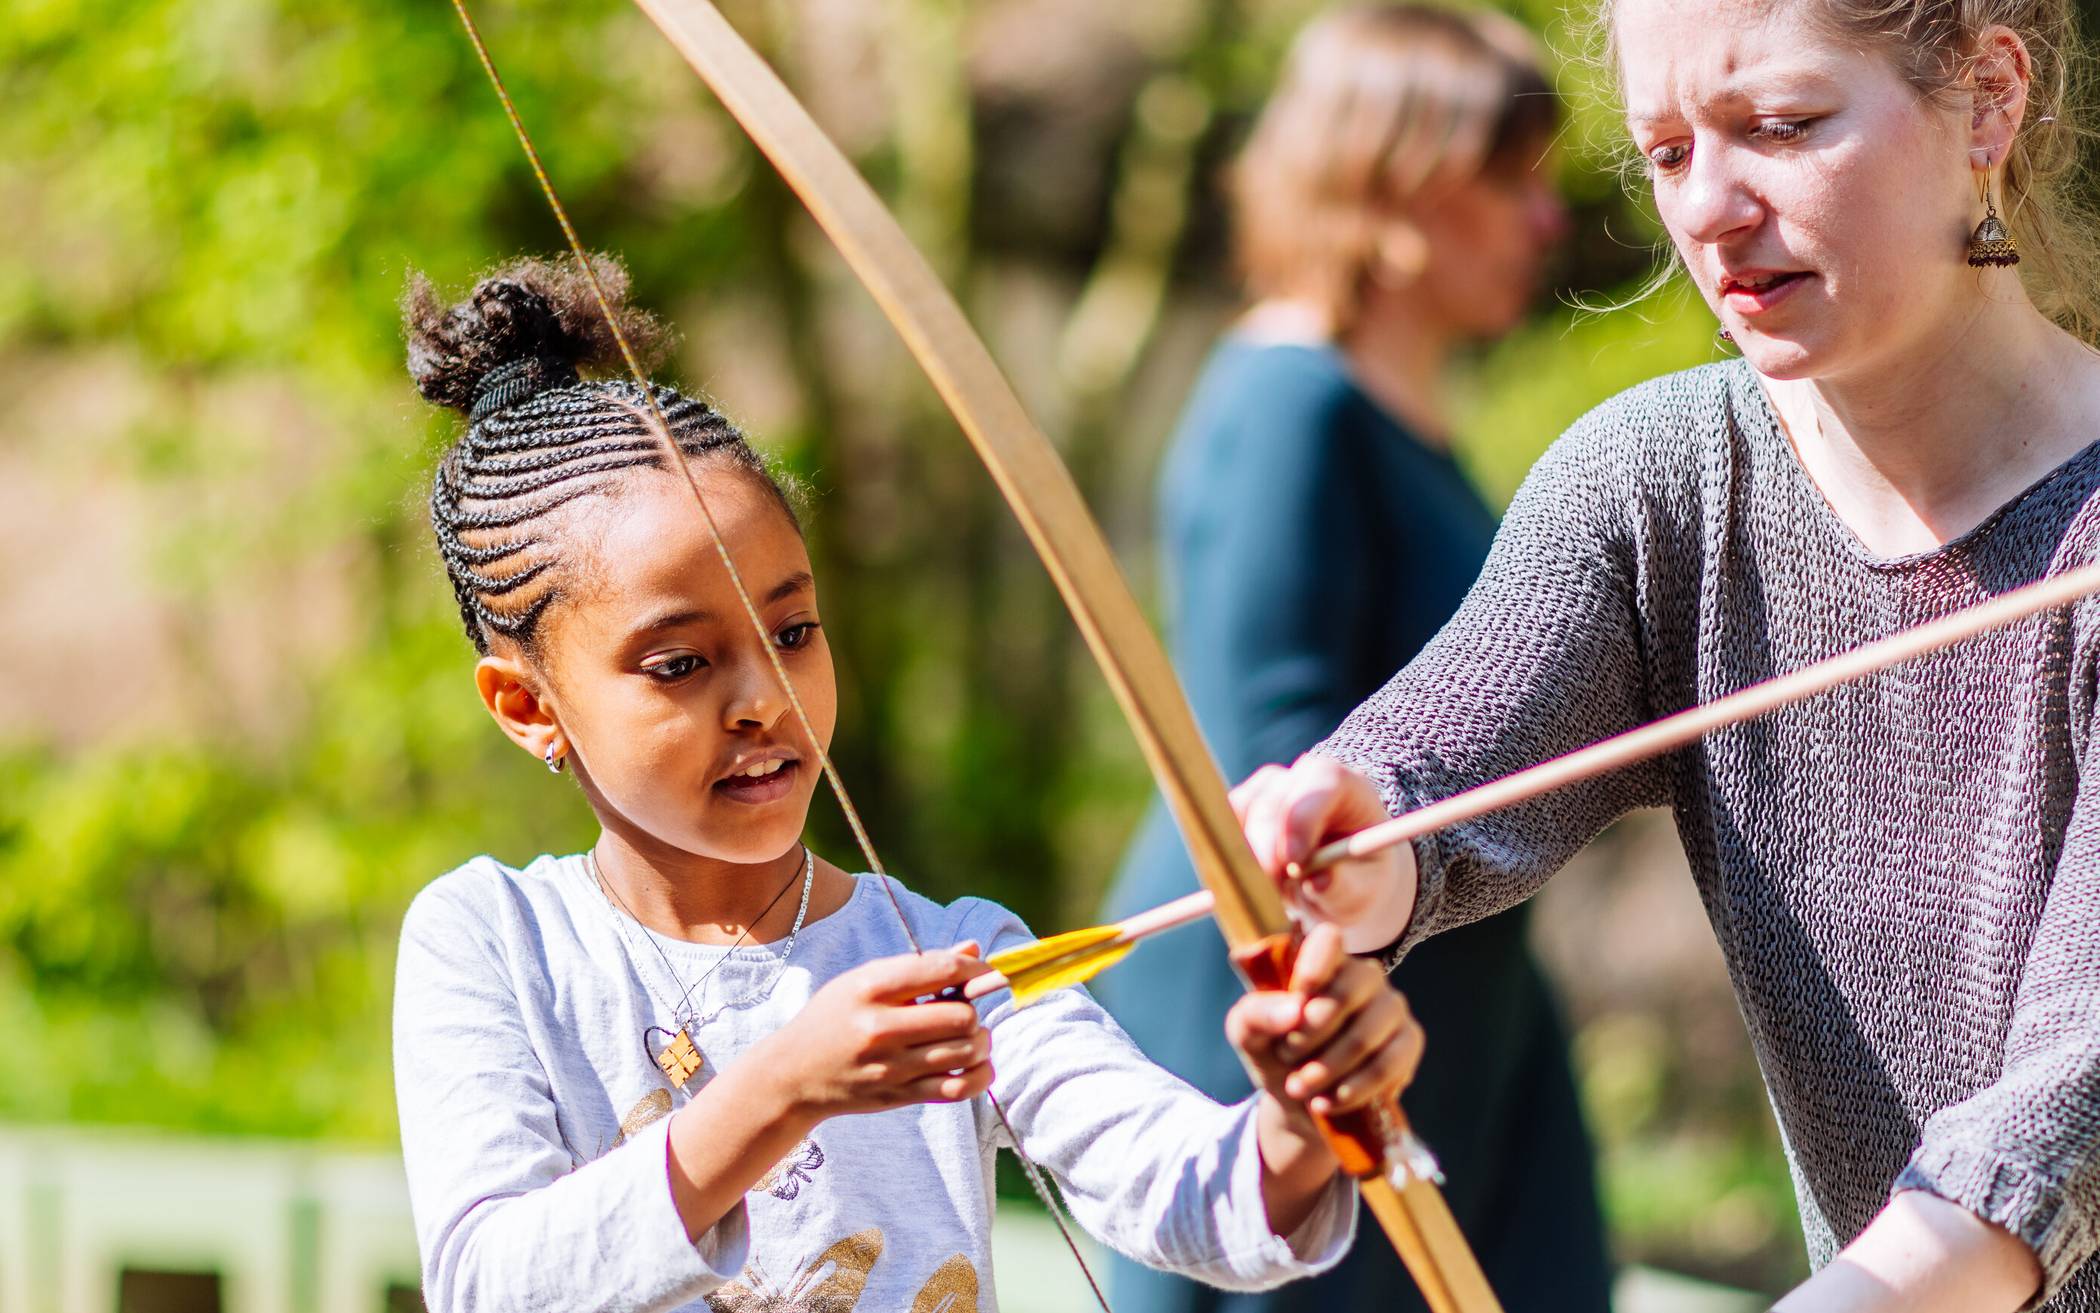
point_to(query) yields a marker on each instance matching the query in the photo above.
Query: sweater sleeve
(1148, 1164)
(1271, 610)
(2024, 1152)
(504, 1217)
(1543, 657)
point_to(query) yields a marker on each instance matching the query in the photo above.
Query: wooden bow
(1044, 498)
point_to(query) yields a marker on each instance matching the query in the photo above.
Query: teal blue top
(1312, 546)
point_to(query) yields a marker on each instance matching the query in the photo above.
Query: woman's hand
(863, 1044)
(1288, 813)
(1338, 1039)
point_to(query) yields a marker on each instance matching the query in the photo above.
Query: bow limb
(1040, 490)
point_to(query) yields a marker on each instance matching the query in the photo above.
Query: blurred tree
(236, 729)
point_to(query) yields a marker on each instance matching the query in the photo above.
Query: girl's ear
(508, 691)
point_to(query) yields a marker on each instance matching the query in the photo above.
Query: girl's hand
(863, 1044)
(1339, 1039)
(1288, 813)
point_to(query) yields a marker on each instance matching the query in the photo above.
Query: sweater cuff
(1401, 798)
(1253, 1251)
(2008, 1194)
(688, 1267)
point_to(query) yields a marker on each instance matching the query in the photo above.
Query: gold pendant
(680, 1059)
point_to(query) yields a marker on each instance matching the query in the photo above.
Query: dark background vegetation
(236, 727)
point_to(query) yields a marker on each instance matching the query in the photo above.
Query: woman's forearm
(1923, 1255)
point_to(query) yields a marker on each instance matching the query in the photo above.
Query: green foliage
(214, 198)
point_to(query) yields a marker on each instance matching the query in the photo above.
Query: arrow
(1079, 956)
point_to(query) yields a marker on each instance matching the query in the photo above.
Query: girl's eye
(1668, 159)
(673, 668)
(795, 636)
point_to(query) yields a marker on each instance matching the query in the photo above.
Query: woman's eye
(672, 669)
(1782, 129)
(1668, 159)
(795, 636)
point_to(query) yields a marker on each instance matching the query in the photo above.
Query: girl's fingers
(1367, 1035)
(948, 1087)
(946, 1055)
(1352, 985)
(1320, 957)
(1391, 1070)
(1258, 1020)
(908, 1025)
(916, 975)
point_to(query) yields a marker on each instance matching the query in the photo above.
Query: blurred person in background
(1392, 208)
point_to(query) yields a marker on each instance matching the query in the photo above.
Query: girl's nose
(756, 701)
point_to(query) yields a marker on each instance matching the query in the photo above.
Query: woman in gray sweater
(1904, 874)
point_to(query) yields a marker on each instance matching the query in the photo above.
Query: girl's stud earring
(1992, 243)
(555, 763)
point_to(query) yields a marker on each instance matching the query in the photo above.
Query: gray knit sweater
(1904, 874)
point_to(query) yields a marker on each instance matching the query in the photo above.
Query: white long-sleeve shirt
(534, 1121)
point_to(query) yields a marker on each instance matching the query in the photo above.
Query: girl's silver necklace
(680, 1058)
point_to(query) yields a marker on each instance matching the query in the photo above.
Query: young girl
(625, 1076)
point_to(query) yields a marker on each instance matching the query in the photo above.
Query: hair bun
(527, 326)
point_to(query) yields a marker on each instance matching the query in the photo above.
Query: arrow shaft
(1687, 726)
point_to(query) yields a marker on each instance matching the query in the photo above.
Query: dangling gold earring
(1992, 243)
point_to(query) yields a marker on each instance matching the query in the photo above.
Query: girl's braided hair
(539, 436)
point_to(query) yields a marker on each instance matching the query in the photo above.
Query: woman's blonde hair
(2043, 183)
(1377, 104)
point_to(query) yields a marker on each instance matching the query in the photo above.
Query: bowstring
(661, 427)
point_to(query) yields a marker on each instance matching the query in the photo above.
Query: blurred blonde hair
(1933, 43)
(1377, 104)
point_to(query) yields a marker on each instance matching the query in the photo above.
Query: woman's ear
(1400, 253)
(512, 696)
(1999, 72)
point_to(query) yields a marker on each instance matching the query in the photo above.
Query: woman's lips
(1762, 294)
(756, 790)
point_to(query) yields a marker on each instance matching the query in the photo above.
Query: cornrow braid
(539, 437)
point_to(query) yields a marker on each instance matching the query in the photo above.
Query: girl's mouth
(764, 782)
(1754, 294)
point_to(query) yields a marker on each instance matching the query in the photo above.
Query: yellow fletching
(1048, 965)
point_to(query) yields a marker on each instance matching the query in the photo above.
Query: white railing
(289, 1227)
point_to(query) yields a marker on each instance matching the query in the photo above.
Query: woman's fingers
(1261, 781)
(1289, 813)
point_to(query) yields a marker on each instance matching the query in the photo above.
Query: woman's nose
(1712, 201)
